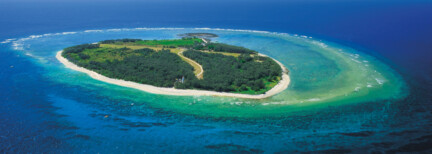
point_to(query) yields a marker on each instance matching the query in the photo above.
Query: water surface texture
(339, 100)
(322, 73)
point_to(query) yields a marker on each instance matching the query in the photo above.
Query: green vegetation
(198, 35)
(184, 42)
(163, 63)
(245, 74)
(220, 47)
(176, 43)
(147, 66)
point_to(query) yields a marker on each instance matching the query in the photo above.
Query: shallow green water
(322, 73)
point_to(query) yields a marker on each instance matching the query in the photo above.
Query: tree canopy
(155, 62)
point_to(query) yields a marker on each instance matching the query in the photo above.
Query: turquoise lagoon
(323, 74)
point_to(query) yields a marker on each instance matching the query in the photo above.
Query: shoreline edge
(281, 86)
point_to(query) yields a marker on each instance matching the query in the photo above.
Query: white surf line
(201, 68)
(282, 85)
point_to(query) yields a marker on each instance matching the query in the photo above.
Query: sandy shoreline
(282, 85)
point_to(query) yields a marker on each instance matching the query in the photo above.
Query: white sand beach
(282, 85)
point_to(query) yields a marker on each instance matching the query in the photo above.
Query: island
(187, 66)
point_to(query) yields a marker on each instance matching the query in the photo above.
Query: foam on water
(321, 72)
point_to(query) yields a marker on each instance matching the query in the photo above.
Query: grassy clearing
(177, 42)
(101, 55)
(223, 53)
(130, 46)
(120, 54)
(134, 47)
(198, 71)
(158, 45)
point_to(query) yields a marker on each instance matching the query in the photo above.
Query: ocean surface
(360, 79)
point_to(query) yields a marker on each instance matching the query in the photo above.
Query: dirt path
(204, 40)
(198, 69)
(282, 85)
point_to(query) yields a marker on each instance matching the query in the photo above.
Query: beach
(282, 85)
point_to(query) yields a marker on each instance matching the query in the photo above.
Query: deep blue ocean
(40, 115)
